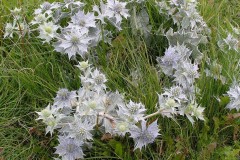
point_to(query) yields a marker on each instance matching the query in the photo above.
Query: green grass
(31, 73)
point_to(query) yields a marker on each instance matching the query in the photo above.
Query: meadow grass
(31, 73)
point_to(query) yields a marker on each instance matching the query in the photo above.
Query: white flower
(40, 19)
(80, 129)
(192, 109)
(83, 65)
(65, 98)
(232, 42)
(186, 73)
(46, 113)
(68, 3)
(46, 7)
(69, 148)
(73, 42)
(132, 112)
(118, 9)
(122, 127)
(144, 135)
(234, 95)
(47, 31)
(9, 29)
(82, 20)
(102, 11)
(176, 92)
(167, 106)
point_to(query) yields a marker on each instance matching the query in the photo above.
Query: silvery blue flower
(65, 98)
(82, 20)
(234, 95)
(69, 148)
(131, 112)
(144, 135)
(80, 129)
(73, 42)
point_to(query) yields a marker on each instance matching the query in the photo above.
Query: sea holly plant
(75, 115)
(69, 27)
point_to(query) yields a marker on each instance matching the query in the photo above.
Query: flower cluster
(18, 26)
(78, 34)
(180, 60)
(75, 114)
(192, 30)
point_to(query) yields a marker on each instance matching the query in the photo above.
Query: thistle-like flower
(69, 148)
(65, 98)
(132, 112)
(73, 42)
(167, 106)
(48, 31)
(82, 20)
(234, 95)
(191, 110)
(118, 9)
(80, 129)
(9, 30)
(144, 135)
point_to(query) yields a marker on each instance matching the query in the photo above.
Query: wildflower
(176, 92)
(122, 127)
(65, 98)
(80, 129)
(234, 95)
(46, 7)
(132, 112)
(186, 73)
(192, 109)
(144, 135)
(68, 3)
(9, 30)
(40, 19)
(73, 42)
(47, 31)
(83, 65)
(232, 42)
(118, 9)
(82, 20)
(102, 11)
(69, 148)
(46, 113)
(167, 106)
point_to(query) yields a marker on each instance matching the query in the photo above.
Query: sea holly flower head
(65, 98)
(232, 42)
(192, 110)
(145, 134)
(83, 65)
(122, 127)
(234, 95)
(132, 112)
(73, 42)
(82, 20)
(48, 31)
(167, 106)
(68, 3)
(176, 92)
(9, 30)
(40, 19)
(46, 113)
(69, 148)
(118, 9)
(80, 129)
